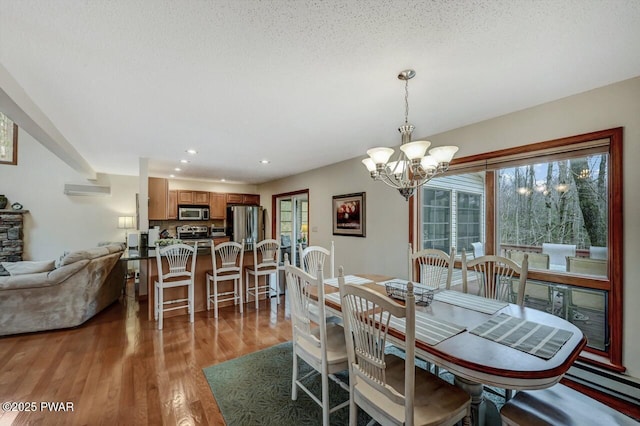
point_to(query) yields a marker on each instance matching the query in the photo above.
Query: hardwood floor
(119, 369)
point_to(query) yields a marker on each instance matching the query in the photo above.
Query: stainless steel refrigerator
(245, 222)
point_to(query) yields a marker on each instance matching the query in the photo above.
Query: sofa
(66, 294)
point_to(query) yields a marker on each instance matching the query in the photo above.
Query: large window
(437, 219)
(560, 203)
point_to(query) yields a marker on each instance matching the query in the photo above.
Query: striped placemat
(470, 301)
(429, 330)
(531, 337)
(349, 279)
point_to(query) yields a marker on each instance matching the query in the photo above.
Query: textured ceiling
(301, 83)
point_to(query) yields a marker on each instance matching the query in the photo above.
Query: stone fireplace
(11, 236)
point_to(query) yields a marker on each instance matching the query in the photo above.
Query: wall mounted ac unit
(86, 190)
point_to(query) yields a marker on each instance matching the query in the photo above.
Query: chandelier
(412, 167)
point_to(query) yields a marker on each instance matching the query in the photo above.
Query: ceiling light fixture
(172, 175)
(264, 161)
(177, 169)
(412, 167)
(191, 151)
(223, 180)
(184, 161)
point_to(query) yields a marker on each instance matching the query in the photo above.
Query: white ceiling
(303, 83)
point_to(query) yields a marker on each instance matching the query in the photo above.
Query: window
(469, 208)
(560, 202)
(437, 219)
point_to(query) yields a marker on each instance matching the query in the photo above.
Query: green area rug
(255, 389)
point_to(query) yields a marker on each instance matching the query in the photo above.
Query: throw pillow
(28, 267)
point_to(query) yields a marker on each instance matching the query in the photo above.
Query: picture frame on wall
(349, 214)
(8, 141)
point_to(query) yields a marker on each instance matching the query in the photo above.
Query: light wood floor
(119, 369)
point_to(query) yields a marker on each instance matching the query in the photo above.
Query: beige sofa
(83, 283)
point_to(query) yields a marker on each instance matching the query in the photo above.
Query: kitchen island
(149, 274)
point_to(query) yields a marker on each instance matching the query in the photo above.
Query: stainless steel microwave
(193, 213)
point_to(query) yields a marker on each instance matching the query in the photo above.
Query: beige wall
(57, 222)
(384, 249)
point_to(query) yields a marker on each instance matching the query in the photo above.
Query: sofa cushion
(28, 267)
(41, 279)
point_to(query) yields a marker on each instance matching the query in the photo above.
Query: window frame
(449, 221)
(610, 359)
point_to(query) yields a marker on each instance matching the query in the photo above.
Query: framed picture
(8, 141)
(349, 214)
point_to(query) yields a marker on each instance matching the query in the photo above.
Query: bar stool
(177, 275)
(266, 254)
(231, 256)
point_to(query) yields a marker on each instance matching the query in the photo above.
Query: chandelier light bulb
(443, 154)
(415, 150)
(380, 155)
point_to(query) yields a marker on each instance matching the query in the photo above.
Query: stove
(192, 232)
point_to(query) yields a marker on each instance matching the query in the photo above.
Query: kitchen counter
(149, 274)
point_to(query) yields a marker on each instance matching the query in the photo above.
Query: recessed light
(223, 180)
(191, 151)
(264, 161)
(184, 161)
(172, 175)
(177, 169)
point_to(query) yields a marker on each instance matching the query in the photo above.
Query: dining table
(481, 341)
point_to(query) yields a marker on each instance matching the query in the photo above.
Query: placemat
(531, 337)
(348, 279)
(429, 330)
(470, 301)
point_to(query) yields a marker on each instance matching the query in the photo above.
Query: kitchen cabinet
(158, 198)
(217, 205)
(172, 205)
(198, 198)
(244, 199)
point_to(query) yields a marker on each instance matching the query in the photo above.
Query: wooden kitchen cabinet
(158, 198)
(244, 199)
(217, 205)
(193, 198)
(172, 205)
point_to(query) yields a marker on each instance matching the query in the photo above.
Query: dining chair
(494, 276)
(322, 346)
(478, 249)
(431, 267)
(231, 255)
(388, 388)
(313, 256)
(176, 275)
(266, 255)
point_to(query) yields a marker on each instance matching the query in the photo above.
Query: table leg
(483, 412)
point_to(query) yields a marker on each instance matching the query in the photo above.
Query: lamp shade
(443, 154)
(126, 222)
(369, 164)
(380, 155)
(414, 150)
(429, 162)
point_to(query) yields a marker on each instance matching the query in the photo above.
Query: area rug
(256, 389)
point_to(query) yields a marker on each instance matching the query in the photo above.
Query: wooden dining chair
(321, 345)
(388, 388)
(231, 255)
(494, 275)
(266, 255)
(431, 267)
(176, 275)
(313, 256)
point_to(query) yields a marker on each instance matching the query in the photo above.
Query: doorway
(292, 223)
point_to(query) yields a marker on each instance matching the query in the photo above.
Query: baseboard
(611, 389)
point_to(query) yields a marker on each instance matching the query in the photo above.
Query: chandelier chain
(406, 101)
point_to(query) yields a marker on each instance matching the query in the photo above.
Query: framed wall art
(8, 141)
(349, 214)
